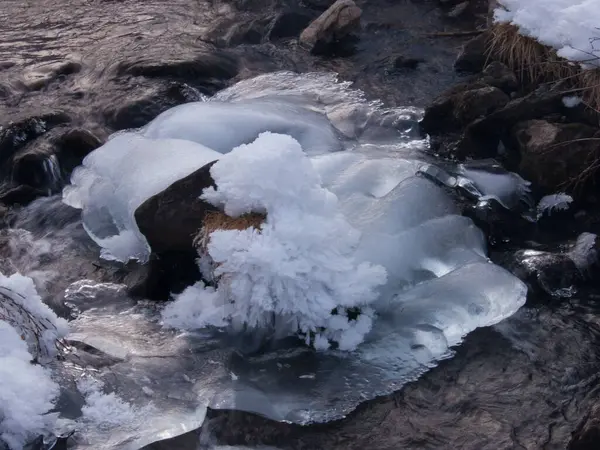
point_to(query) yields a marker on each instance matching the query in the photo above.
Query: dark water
(108, 64)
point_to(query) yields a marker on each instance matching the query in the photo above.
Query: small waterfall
(52, 173)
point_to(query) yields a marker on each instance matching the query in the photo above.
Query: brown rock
(341, 19)
(557, 156)
(171, 219)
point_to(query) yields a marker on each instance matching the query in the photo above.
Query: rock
(551, 157)
(499, 75)
(138, 110)
(16, 135)
(455, 110)
(190, 66)
(171, 219)
(73, 145)
(473, 56)
(587, 434)
(288, 24)
(340, 20)
(484, 136)
(478, 103)
(37, 167)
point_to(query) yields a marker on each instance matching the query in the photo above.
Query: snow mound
(570, 26)
(28, 333)
(299, 268)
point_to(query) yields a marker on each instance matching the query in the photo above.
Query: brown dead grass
(534, 63)
(217, 220)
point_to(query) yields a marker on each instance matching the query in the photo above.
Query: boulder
(556, 156)
(171, 219)
(340, 20)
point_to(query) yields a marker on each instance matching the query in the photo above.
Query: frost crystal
(554, 202)
(298, 271)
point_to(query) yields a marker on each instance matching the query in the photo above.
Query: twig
(455, 33)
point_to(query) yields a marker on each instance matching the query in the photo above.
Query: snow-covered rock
(570, 26)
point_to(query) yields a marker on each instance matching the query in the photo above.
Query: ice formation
(553, 202)
(299, 268)
(28, 332)
(570, 26)
(118, 177)
(338, 178)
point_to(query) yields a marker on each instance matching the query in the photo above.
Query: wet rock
(587, 434)
(473, 56)
(554, 274)
(500, 225)
(171, 219)
(38, 167)
(455, 110)
(335, 24)
(191, 66)
(138, 110)
(39, 77)
(73, 145)
(16, 135)
(19, 195)
(289, 24)
(555, 156)
(499, 75)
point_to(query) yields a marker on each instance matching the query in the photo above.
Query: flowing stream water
(525, 382)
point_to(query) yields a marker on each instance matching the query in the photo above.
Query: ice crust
(338, 178)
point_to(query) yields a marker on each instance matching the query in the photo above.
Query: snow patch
(28, 333)
(570, 26)
(571, 101)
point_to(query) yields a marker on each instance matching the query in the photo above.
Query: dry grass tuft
(534, 63)
(531, 61)
(217, 220)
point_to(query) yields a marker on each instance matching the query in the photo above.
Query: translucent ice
(118, 177)
(339, 212)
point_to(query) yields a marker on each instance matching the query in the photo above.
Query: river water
(108, 65)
